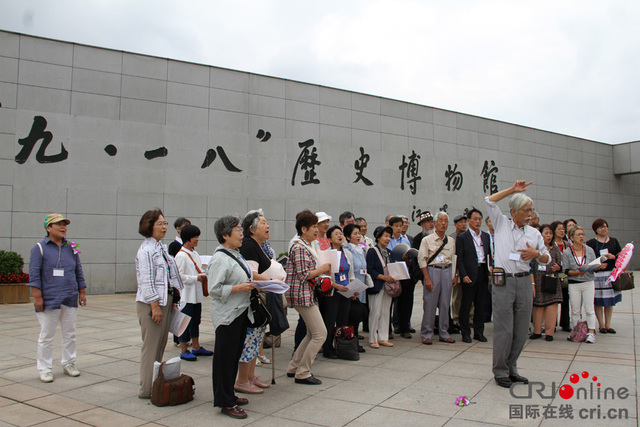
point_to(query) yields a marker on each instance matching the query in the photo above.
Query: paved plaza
(408, 384)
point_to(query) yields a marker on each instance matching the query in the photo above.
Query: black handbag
(624, 282)
(261, 315)
(346, 343)
(550, 283)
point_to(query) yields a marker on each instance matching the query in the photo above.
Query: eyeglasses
(161, 223)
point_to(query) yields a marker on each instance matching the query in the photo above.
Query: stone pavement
(408, 384)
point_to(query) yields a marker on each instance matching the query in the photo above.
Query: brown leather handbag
(172, 392)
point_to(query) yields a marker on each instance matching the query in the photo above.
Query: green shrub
(10, 262)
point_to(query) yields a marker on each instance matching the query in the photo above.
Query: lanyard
(59, 264)
(584, 258)
(343, 262)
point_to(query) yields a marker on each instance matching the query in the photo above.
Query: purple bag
(579, 333)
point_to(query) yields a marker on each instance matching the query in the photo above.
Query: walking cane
(273, 359)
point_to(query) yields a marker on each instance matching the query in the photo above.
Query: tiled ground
(409, 384)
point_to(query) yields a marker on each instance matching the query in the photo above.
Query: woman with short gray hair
(256, 231)
(230, 281)
(581, 282)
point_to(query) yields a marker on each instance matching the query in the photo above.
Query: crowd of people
(509, 275)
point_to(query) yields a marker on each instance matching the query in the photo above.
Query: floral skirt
(605, 296)
(252, 343)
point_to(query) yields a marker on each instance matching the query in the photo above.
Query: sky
(570, 67)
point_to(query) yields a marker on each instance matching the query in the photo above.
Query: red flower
(14, 278)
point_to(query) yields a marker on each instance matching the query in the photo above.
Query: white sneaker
(591, 338)
(71, 370)
(46, 377)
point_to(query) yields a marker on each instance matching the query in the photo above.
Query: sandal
(264, 359)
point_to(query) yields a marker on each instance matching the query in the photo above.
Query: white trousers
(581, 296)
(379, 313)
(48, 322)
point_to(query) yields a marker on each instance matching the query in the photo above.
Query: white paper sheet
(332, 257)
(275, 286)
(398, 270)
(179, 322)
(171, 369)
(354, 286)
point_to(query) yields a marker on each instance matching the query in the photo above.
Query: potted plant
(13, 280)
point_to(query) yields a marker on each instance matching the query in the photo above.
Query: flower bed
(14, 278)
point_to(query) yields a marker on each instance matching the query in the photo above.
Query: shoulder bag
(624, 282)
(261, 315)
(393, 289)
(550, 283)
(205, 287)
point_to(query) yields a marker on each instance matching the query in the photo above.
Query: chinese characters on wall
(304, 168)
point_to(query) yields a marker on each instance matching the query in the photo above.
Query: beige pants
(154, 340)
(308, 349)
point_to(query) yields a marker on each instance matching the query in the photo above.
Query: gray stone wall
(92, 98)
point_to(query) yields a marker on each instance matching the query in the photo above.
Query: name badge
(58, 272)
(514, 256)
(439, 259)
(542, 268)
(343, 277)
(363, 271)
(604, 252)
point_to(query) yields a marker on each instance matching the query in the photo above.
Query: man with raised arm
(516, 244)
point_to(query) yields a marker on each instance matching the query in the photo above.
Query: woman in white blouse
(193, 278)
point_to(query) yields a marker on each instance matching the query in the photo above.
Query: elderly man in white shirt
(516, 244)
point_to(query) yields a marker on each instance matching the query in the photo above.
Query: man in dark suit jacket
(473, 248)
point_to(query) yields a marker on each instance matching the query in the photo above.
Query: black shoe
(503, 382)
(480, 337)
(361, 349)
(466, 338)
(566, 329)
(291, 375)
(535, 336)
(548, 337)
(518, 379)
(413, 331)
(311, 381)
(330, 355)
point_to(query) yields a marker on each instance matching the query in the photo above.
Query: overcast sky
(570, 66)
